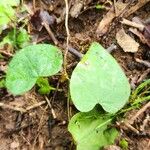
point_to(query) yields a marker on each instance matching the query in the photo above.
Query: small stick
(111, 48)
(50, 106)
(35, 105)
(22, 110)
(68, 37)
(133, 24)
(48, 29)
(140, 112)
(12, 108)
(80, 55)
(146, 63)
(75, 52)
(131, 127)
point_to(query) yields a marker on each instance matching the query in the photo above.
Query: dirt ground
(38, 129)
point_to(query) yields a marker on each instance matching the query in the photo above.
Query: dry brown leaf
(76, 8)
(127, 43)
(105, 22)
(115, 11)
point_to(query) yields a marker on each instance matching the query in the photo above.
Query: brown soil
(37, 129)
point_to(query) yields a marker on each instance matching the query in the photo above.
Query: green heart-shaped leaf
(29, 64)
(90, 130)
(98, 79)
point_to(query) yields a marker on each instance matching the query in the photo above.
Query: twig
(68, 36)
(12, 108)
(133, 24)
(140, 112)
(50, 106)
(131, 127)
(146, 63)
(80, 55)
(111, 48)
(48, 29)
(75, 52)
(22, 110)
(35, 105)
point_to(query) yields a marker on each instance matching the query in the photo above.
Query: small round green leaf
(29, 64)
(98, 79)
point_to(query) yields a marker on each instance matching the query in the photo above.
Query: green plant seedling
(1, 56)
(44, 87)
(123, 144)
(7, 13)
(138, 96)
(98, 79)
(2, 83)
(16, 38)
(22, 38)
(141, 93)
(99, 6)
(90, 130)
(29, 64)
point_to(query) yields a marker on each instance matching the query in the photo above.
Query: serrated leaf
(98, 79)
(90, 130)
(29, 64)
